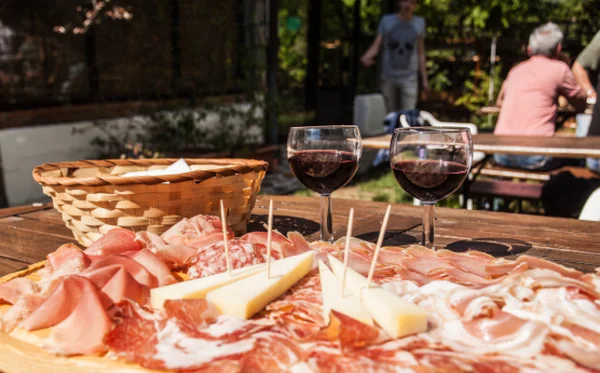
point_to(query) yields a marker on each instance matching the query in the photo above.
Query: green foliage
(475, 95)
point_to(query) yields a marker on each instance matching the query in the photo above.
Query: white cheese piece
(348, 303)
(246, 297)
(198, 288)
(396, 316)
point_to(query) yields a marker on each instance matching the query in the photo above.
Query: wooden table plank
(30, 236)
(11, 211)
(30, 241)
(10, 265)
(567, 147)
(48, 215)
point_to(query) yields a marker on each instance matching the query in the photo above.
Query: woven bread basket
(94, 198)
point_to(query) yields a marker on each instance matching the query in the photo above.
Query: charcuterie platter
(196, 298)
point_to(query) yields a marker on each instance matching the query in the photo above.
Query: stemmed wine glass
(430, 164)
(324, 159)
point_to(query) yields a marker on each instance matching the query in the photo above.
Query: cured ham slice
(154, 265)
(211, 260)
(502, 333)
(156, 343)
(300, 313)
(67, 259)
(281, 247)
(584, 349)
(482, 266)
(198, 232)
(299, 242)
(537, 263)
(174, 255)
(114, 281)
(273, 352)
(83, 331)
(24, 307)
(191, 313)
(11, 291)
(116, 241)
(135, 269)
(65, 298)
(353, 334)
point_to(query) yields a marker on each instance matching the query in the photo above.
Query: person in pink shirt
(529, 96)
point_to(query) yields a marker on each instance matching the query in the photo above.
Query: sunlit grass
(381, 186)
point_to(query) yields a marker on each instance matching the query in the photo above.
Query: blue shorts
(526, 162)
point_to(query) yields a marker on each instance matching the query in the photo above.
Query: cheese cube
(395, 315)
(198, 288)
(246, 297)
(348, 303)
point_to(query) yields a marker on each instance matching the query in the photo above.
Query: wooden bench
(511, 173)
(507, 190)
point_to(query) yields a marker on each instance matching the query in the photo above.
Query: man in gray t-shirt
(402, 37)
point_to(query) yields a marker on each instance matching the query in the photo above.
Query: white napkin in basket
(178, 167)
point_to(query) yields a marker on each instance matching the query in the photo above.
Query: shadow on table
(283, 224)
(391, 238)
(492, 246)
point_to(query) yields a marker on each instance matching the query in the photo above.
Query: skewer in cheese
(347, 247)
(269, 235)
(379, 243)
(395, 315)
(225, 238)
(343, 302)
(246, 297)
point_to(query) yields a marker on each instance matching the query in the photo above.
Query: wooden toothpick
(269, 234)
(225, 238)
(379, 243)
(347, 248)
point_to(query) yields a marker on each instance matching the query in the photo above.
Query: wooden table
(566, 147)
(565, 112)
(30, 233)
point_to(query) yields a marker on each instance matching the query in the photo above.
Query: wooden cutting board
(21, 351)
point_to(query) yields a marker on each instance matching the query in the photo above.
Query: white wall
(22, 149)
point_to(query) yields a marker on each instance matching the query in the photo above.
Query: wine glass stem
(428, 225)
(326, 224)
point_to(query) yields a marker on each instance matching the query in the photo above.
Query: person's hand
(591, 93)
(367, 61)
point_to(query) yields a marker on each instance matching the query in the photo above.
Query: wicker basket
(94, 198)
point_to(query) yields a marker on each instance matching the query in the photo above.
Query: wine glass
(324, 159)
(430, 163)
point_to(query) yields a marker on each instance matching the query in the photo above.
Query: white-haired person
(529, 96)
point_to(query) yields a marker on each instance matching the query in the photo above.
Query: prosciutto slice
(154, 265)
(61, 303)
(174, 255)
(11, 291)
(135, 269)
(117, 283)
(116, 241)
(67, 259)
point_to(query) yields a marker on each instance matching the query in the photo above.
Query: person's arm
(368, 59)
(572, 91)
(588, 59)
(583, 79)
(423, 64)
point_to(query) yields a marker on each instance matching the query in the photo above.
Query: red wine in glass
(324, 171)
(324, 158)
(430, 163)
(429, 180)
